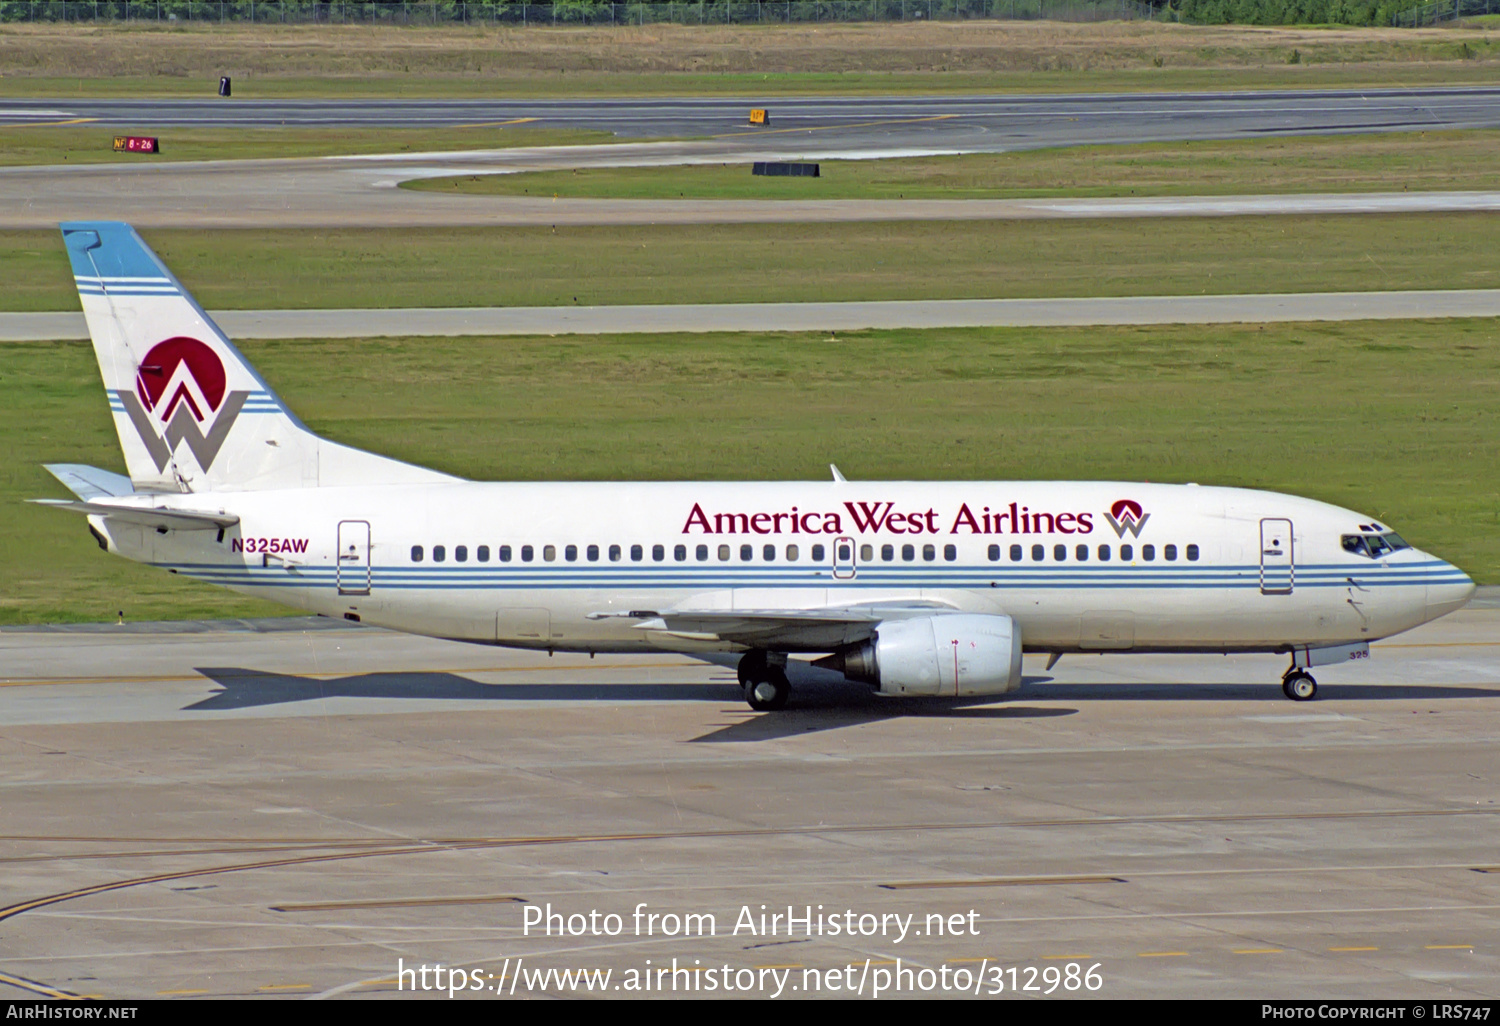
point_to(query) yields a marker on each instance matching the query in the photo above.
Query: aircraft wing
(811, 630)
(146, 516)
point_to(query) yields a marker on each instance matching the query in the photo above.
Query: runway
(853, 316)
(252, 812)
(361, 191)
(949, 121)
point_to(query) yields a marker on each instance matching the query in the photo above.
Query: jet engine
(951, 654)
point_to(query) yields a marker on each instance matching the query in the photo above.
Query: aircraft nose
(1452, 592)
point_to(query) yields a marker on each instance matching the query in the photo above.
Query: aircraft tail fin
(191, 412)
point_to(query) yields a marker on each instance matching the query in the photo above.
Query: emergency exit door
(1276, 563)
(354, 557)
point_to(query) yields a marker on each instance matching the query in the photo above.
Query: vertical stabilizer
(191, 413)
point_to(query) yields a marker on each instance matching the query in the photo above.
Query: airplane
(913, 588)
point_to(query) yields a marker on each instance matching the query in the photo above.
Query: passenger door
(1276, 563)
(353, 571)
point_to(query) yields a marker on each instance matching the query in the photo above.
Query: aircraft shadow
(247, 688)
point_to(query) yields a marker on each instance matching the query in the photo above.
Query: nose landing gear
(1298, 685)
(763, 676)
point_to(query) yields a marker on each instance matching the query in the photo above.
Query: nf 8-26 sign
(136, 144)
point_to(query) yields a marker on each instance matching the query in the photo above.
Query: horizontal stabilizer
(147, 516)
(90, 482)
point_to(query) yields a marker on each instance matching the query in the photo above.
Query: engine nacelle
(951, 654)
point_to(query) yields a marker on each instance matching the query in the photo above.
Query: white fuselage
(1186, 568)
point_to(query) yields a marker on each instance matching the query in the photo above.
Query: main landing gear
(1298, 685)
(763, 676)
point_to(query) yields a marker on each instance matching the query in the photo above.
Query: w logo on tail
(1125, 515)
(178, 388)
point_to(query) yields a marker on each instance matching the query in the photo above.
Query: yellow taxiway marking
(170, 993)
(1258, 951)
(825, 128)
(497, 124)
(1353, 949)
(1450, 947)
(286, 986)
(48, 124)
(1161, 954)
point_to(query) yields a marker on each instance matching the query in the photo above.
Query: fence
(578, 12)
(1445, 10)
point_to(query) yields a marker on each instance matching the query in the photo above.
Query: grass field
(291, 269)
(1395, 419)
(768, 60)
(94, 144)
(1341, 163)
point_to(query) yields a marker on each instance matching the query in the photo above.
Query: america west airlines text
(884, 517)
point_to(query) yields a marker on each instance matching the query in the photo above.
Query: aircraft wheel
(1299, 687)
(752, 666)
(770, 692)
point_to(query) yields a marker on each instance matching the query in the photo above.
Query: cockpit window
(1374, 546)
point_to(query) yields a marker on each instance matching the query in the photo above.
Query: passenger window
(439, 553)
(593, 553)
(571, 553)
(908, 553)
(460, 553)
(1038, 553)
(819, 553)
(1148, 552)
(768, 553)
(888, 552)
(845, 552)
(1060, 553)
(658, 553)
(482, 554)
(867, 553)
(1169, 552)
(929, 552)
(615, 553)
(791, 553)
(416, 553)
(1192, 553)
(505, 554)
(723, 553)
(1081, 553)
(679, 553)
(994, 553)
(1104, 553)
(747, 553)
(950, 552)
(526, 553)
(549, 553)
(1015, 553)
(702, 553)
(1127, 552)
(637, 553)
